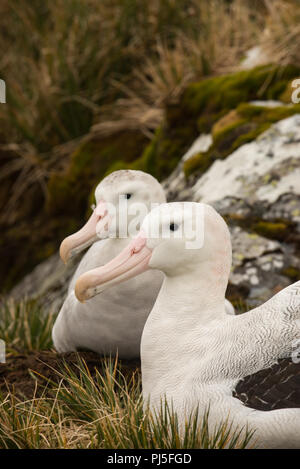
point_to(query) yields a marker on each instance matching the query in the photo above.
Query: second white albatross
(113, 323)
(193, 353)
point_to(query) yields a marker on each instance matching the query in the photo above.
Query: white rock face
(260, 181)
(254, 57)
(271, 103)
(261, 170)
(200, 145)
(176, 182)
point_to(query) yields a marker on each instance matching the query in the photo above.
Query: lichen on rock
(239, 126)
(257, 191)
(200, 106)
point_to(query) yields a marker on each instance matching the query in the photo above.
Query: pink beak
(132, 261)
(86, 235)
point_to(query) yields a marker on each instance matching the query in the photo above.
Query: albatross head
(178, 238)
(123, 199)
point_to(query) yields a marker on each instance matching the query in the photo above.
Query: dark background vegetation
(91, 87)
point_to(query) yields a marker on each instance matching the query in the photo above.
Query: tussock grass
(74, 66)
(24, 326)
(104, 411)
(84, 408)
(281, 38)
(68, 63)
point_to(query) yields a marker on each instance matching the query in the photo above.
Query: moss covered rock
(202, 104)
(239, 126)
(272, 229)
(286, 96)
(213, 97)
(89, 163)
(292, 272)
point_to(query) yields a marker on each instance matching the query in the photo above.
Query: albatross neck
(194, 296)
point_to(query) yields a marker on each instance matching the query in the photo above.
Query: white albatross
(194, 354)
(111, 323)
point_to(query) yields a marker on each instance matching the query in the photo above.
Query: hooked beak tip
(81, 291)
(82, 300)
(80, 297)
(64, 253)
(65, 260)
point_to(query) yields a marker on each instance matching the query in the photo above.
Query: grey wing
(277, 387)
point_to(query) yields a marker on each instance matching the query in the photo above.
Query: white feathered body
(193, 361)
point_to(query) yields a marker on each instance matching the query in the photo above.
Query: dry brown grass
(70, 64)
(281, 40)
(73, 67)
(223, 34)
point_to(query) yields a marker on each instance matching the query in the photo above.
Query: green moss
(250, 111)
(69, 190)
(277, 228)
(249, 136)
(276, 114)
(202, 104)
(286, 96)
(226, 92)
(234, 218)
(261, 114)
(200, 162)
(116, 166)
(160, 157)
(238, 127)
(272, 230)
(219, 135)
(147, 162)
(292, 272)
(263, 117)
(226, 144)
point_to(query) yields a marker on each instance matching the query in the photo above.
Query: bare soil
(22, 373)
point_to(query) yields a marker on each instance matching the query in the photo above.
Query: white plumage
(192, 352)
(113, 322)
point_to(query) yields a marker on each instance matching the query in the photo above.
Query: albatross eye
(128, 196)
(173, 227)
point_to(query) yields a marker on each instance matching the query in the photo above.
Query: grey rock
(176, 186)
(48, 282)
(259, 181)
(249, 172)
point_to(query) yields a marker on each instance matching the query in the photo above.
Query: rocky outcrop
(263, 170)
(257, 191)
(48, 282)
